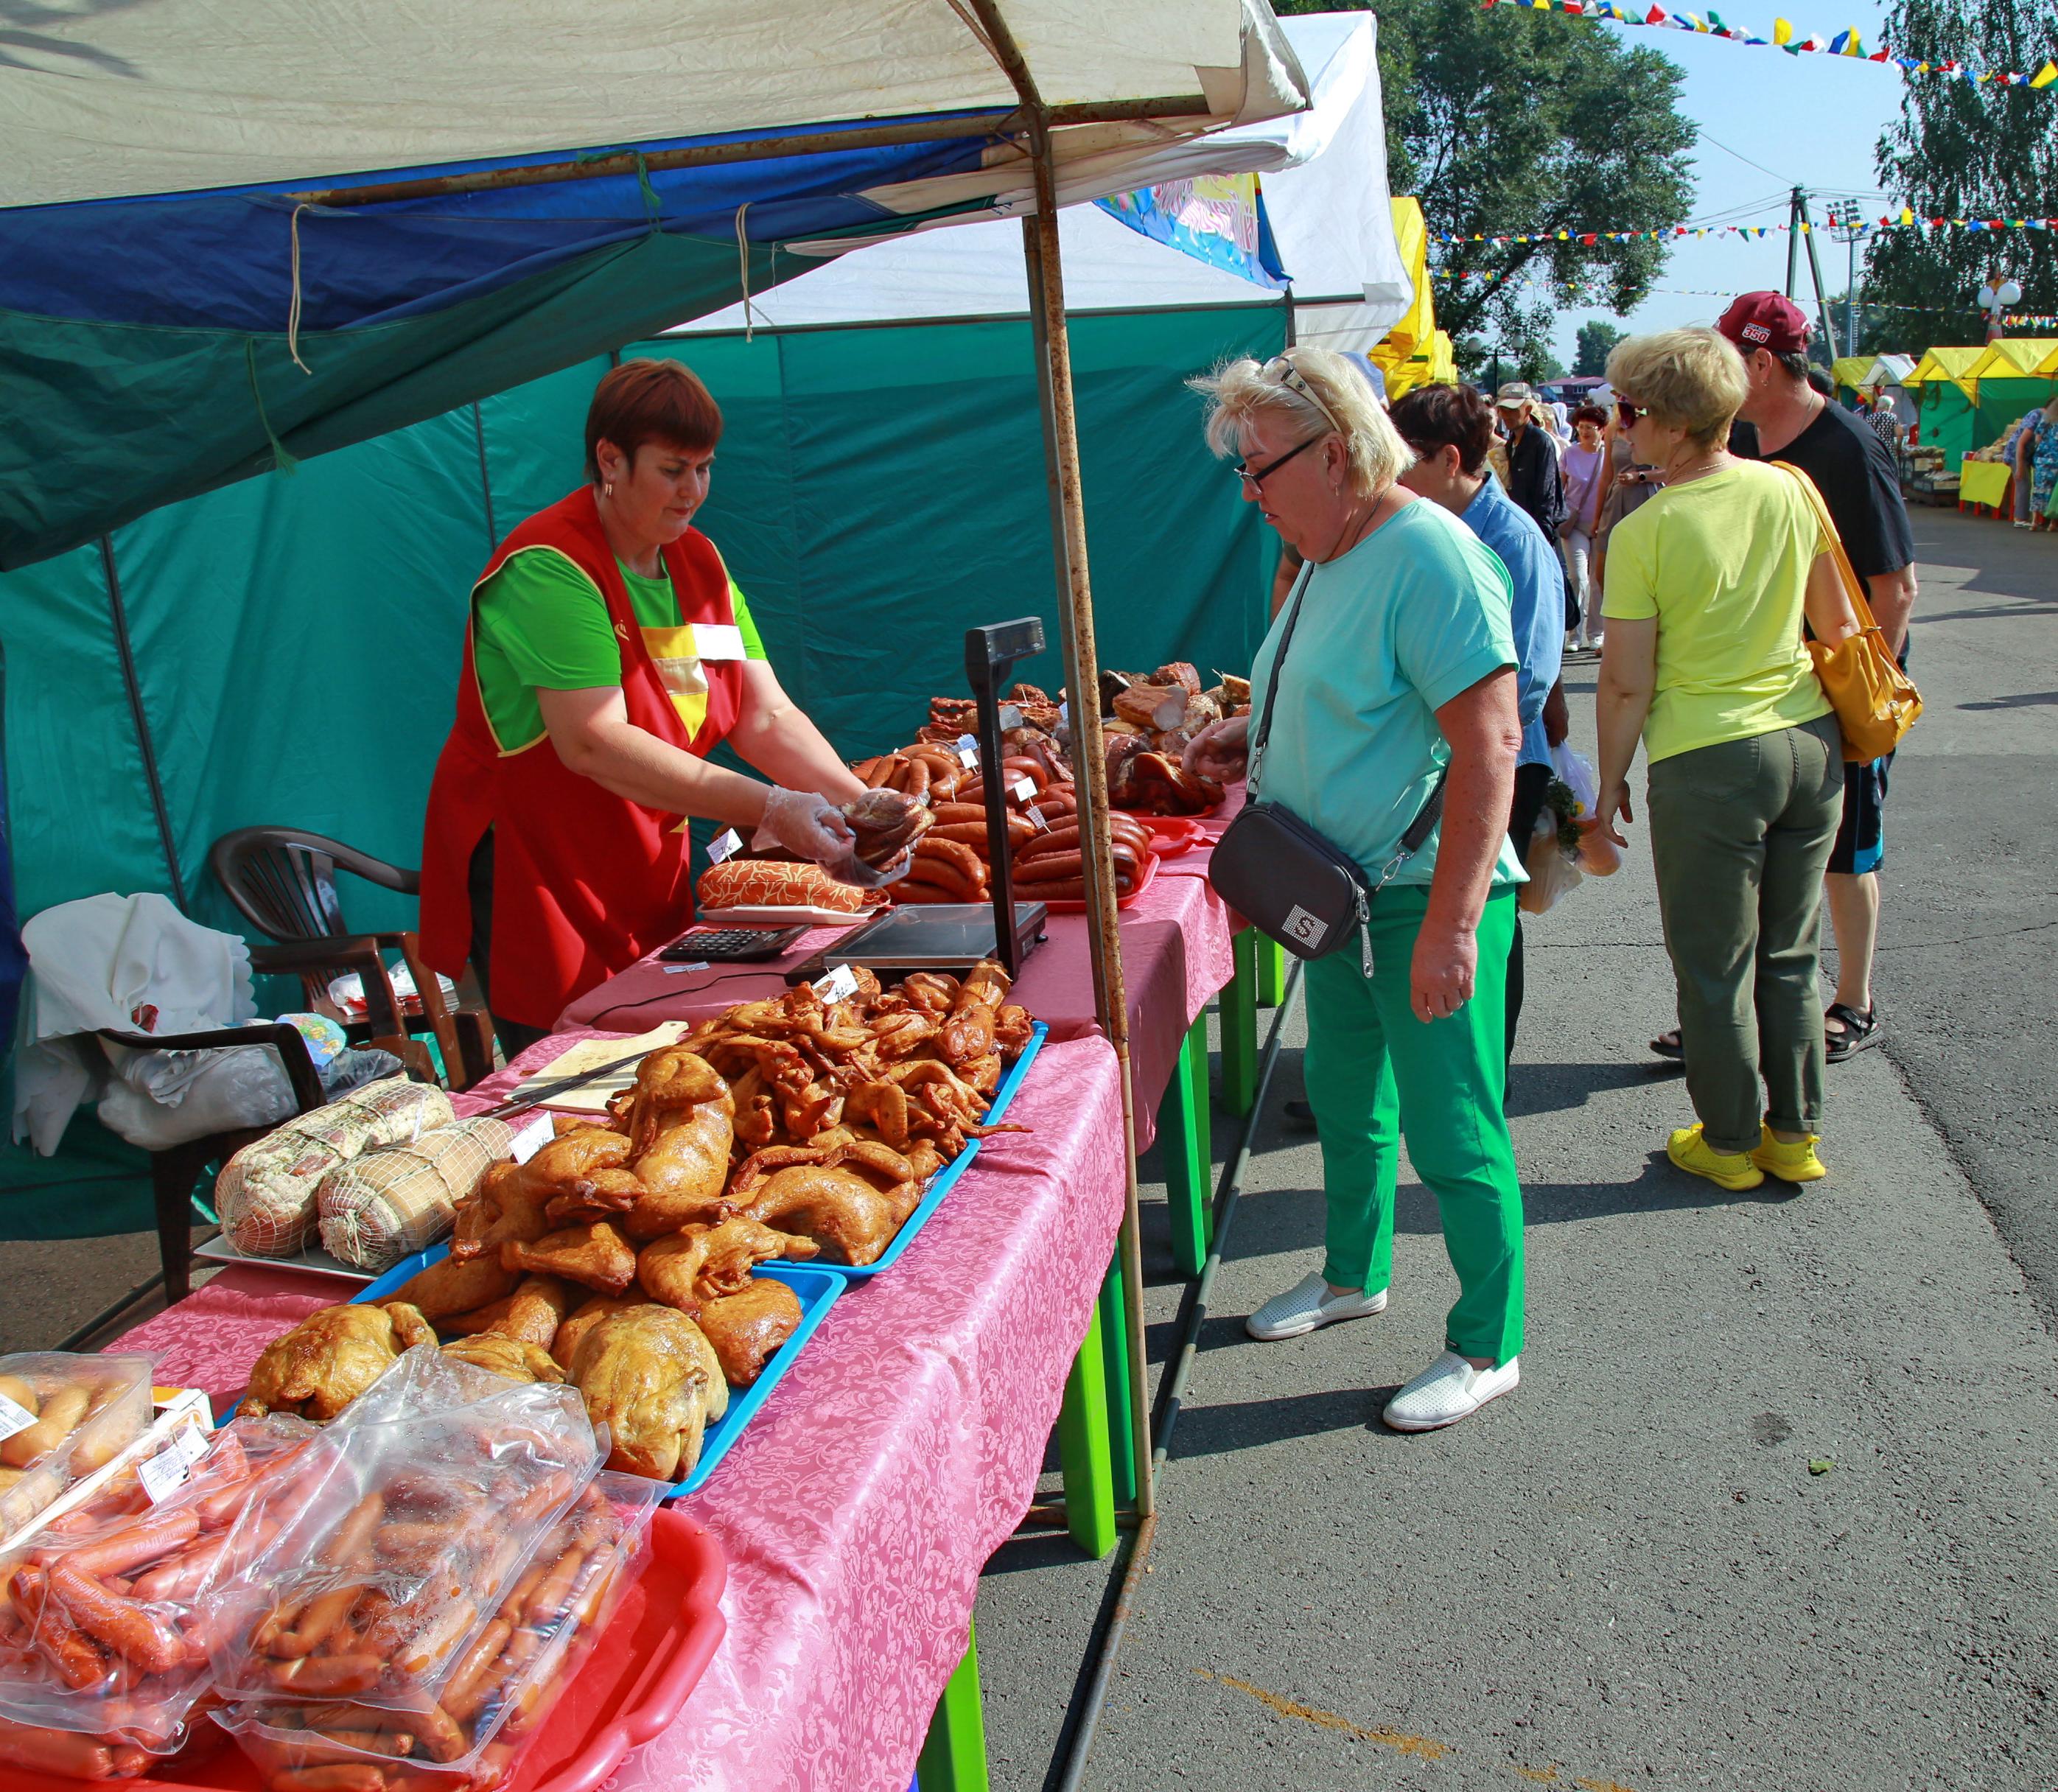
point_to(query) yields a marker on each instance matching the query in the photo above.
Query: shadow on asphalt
(1216, 1430)
(1553, 1088)
(2022, 702)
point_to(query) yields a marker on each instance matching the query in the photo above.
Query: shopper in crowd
(1705, 661)
(1448, 428)
(1856, 476)
(1532, 461)
(1401, 670)
(2019, 451)
(2043, 467)
(1629, 484)
(1584, 473)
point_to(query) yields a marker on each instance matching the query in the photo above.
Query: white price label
(680, 970)
(165, 1473)
(13, 1418)
(967, 751)
(1025, 788)
(1035, 816)
(190, 1441)
(1010, 717)
(725, 845)
(838, 986)
(536, 1132)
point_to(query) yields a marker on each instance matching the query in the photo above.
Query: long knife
(538, 1096)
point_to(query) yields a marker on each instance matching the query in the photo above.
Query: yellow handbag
(1876, 702)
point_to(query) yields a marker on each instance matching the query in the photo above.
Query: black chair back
(283, 879)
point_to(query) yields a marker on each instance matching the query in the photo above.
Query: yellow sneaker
(1790, 1163)
(1695, 1155)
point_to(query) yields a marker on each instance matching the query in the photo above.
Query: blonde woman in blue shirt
(1402, 666)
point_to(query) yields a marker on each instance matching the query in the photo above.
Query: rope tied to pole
(293, 308)
(743, 265)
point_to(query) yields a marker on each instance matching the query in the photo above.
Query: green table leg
(1239, 1026)
(953, 1758)
(1083, 1446)
(1271, 973)
(1114, 1355)
(1196, 1068)
(1182, 1133)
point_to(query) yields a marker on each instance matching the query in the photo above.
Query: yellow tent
(1414, 352)
(2011, 358)
(2048, 367)
(1851, 370)
(1950, 364)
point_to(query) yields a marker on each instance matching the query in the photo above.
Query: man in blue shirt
(1450, 428)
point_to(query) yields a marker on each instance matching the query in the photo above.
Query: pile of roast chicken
(620, 1256)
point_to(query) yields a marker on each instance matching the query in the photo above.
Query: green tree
(1595, 342)
(1962, 149)
(1503, 123)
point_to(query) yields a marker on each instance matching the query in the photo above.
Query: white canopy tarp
(107, 101)
(1324, 177)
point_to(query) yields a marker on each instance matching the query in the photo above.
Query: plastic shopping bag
(1578, 774)
(1552, 870)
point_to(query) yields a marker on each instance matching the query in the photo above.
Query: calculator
(730, 945)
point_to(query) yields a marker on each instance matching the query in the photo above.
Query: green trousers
(1739, 834)
(1376, 1073)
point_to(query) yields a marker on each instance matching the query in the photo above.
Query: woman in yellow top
(1704, 660)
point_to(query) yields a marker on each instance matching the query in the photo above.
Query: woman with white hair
(1395, 663)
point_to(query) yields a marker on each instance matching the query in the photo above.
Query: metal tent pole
(132, 686)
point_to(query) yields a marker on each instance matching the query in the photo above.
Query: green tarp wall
(2002, 403)
(1948, 421)
(296, 637)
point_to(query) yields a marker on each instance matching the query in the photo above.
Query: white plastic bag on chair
(1578, 774)
(244, 1087)
(1552, 871)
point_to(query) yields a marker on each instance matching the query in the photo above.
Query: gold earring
(607, 490)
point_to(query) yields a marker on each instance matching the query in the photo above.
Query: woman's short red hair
(646, 401)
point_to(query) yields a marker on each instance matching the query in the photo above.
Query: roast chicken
(650, 1376)
(532, 1313)
(705, 1262)
(747, 1329)
(515, 1358)
(330, 1357)
(594, 1255)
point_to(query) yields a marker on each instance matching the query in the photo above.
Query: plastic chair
(283, 882)
(175, 1170)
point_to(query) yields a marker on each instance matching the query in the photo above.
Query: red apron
(585, 882)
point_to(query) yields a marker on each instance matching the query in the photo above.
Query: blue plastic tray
(944, 1177)
(816, 1289)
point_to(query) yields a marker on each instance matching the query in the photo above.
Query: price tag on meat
(725, 845)
(533, 1137)
(13, 1418)
(1034, 817)
(839, 985)
(165, 1473)
(1025, 788)
(1010, 717)
(190, 1441)
(967, 751)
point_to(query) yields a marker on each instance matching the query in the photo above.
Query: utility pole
(1848, 227)
(1799, 227)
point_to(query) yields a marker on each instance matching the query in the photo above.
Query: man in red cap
(1855, 473)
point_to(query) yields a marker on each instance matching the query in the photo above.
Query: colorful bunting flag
(1846, 42)
(1750, 232)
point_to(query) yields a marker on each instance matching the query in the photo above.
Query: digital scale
(950, 936)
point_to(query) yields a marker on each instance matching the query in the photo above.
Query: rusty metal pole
(1075, 628)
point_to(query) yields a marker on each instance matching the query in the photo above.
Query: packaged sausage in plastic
(413, 1516)
(104, 1644)
(62, 1418)
(466, 1734)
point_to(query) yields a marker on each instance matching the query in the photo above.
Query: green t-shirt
(538, 623)
(1722, 564)
(1414, 614)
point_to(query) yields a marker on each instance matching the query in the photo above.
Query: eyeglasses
(1625, 414)
(1280, 368)
(1256, 478)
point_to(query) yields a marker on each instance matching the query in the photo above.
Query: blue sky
(1767, 120)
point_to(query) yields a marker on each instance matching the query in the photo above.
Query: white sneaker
(1307, 1306)
(1449, 1389)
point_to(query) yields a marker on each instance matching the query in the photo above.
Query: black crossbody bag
(1290, 882)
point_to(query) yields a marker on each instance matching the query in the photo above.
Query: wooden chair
(283, 882)
(175, 1170)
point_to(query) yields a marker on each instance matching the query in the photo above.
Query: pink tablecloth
(902, 1449)
(1175, 955)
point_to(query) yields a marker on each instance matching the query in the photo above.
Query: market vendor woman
(609, 653)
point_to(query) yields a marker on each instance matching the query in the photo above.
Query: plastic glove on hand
(1219, 751)
(807, 825)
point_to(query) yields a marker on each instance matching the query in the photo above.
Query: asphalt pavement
(1773, 1506)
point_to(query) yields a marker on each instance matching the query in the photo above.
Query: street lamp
(1995, 300)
